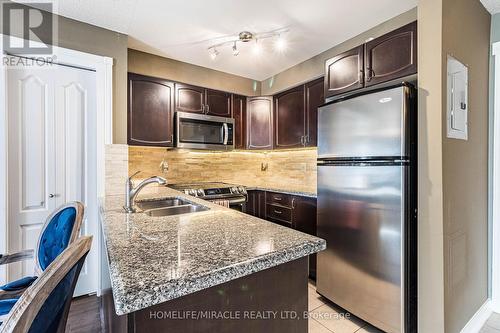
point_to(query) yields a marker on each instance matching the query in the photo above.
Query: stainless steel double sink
(168, 206)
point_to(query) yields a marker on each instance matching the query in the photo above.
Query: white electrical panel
(457, 99)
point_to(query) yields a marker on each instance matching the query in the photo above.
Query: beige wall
(150, 64)
(91, 39)
(293, 170)
(452, 173)
(430, 170)
(466, 36)
(315, 66)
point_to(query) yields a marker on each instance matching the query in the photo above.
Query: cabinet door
(344, 72)
(189, 98)
(239, 114)
(315, 96)
(261, 204)
(392, 56)
(260, 122)
(289, 118)
(251, 201)
(304, 219)
(256, 204)
(218, 103)
(150, 111)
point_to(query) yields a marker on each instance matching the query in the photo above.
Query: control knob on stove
(242, 190)
(234, 190)
(192, 192)
(200, 192)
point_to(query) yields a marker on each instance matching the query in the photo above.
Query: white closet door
(52, 157)
(31, 166)
(75, 104)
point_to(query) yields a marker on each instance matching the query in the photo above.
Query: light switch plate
(457, 99)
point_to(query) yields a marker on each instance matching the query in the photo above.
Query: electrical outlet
(164, 166)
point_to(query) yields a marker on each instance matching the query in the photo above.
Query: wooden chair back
(64, 269)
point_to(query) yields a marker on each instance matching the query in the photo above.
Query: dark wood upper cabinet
(315, 96)
(260, 122)
(189, 98)
(289, 118)
(391, 56)
(218, 103)
(150, 111)
(344, 72)
(239, 114)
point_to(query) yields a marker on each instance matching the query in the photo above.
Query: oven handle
(226, 133)
(232, 201)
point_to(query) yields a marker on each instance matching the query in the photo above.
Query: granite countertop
(299, 193)
(156, 259)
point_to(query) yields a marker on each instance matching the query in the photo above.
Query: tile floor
(325, 317)
(492, 325)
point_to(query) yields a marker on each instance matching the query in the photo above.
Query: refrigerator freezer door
(361, 214)
(367, 126)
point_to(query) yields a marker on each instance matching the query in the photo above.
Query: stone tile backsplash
(293, 170)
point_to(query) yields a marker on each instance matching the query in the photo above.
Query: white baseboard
(478, 319)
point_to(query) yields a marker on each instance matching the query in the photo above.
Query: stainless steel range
(234, 196)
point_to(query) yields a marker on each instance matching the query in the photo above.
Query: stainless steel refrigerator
(367, 186)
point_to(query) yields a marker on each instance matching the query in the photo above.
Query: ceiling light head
(280, 44)
(213, 53)
(257, 48)
(245, 36)
(235, 50)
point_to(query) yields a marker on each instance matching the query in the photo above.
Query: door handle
(51, 195)
(369, 74)
(226, 133)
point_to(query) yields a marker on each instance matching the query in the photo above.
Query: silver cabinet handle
(278, 198)
(208, 108)
(203, 108)
(278, 212)
(52, 195)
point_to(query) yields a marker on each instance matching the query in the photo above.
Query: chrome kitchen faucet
(131, 192)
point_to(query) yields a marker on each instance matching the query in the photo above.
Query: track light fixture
(247, 36)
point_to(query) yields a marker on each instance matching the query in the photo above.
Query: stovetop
(210, 189)
(201, 185)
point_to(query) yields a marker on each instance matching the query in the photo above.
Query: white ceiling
(493, 6)
(183, 29)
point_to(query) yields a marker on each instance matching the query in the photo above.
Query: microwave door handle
(226, 133)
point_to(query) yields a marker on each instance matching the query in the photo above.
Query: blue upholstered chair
(44, 306)
(61, 228)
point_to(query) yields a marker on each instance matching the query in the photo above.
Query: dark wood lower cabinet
(293, 211)
(304, 219)
(256, 204)
(282, 290)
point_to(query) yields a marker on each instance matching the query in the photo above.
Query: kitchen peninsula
(217, 270)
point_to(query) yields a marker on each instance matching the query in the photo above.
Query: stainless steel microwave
(199, 131)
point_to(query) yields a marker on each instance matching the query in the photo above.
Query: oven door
(239, 205)
(198, 131)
